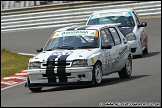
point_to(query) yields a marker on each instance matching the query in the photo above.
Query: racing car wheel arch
(97, 73)
(35, 89)
(127, 69)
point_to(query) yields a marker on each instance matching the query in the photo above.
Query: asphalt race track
(144, 86)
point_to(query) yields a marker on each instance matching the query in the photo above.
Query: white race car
(130, 26)
(79, 55)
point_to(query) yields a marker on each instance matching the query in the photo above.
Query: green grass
(12, 63)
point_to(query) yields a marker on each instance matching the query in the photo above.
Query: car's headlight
(34, 65)
(130, 37)
(79, 63)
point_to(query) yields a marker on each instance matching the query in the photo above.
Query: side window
(137, 19)
(115, 35)
(106, 38)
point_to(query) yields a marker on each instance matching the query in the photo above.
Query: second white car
(129, 24)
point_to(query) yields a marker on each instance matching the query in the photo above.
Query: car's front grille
(58, 63)
(57, 74)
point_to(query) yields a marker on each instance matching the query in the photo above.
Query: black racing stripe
(50, 69)
(83, 27)
(72, 28)
(61, 70)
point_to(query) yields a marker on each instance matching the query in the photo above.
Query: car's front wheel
(146, 49)
(127, 70)
(36, 89)
(97, 74)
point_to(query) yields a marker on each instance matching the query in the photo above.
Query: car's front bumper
(135, 47)
(39, 77)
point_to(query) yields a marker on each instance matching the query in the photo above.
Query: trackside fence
(65, 14)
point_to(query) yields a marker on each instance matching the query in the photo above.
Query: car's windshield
(123, 20)
(72, 42)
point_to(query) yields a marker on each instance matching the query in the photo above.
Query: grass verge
(12, 63)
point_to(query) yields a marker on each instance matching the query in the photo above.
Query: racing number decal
(108, 60)
(107, 64)
(120, 56)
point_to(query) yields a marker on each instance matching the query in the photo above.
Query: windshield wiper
(87, 47)
(66, 47)
(49, 49)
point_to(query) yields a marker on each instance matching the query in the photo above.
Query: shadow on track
(150, 54)
(105, 82)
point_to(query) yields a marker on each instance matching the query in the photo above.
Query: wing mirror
(143, 24)
(40, 50)
(106, 47)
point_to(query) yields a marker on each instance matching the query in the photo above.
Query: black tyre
(127, 70)
(97, 74)
(141, 55)
(145, 50)
(35, 89)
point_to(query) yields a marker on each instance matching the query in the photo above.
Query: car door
(109, 55)
(120, 60)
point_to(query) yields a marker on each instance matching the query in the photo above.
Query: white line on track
(13, 85)
(27, 54)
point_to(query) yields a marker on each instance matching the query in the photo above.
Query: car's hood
(64, 55)
(126, 30)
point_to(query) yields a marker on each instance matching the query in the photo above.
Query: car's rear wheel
(127, 70)
(97, 74)
(145, 50)
(141, 55)
(35, 89)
